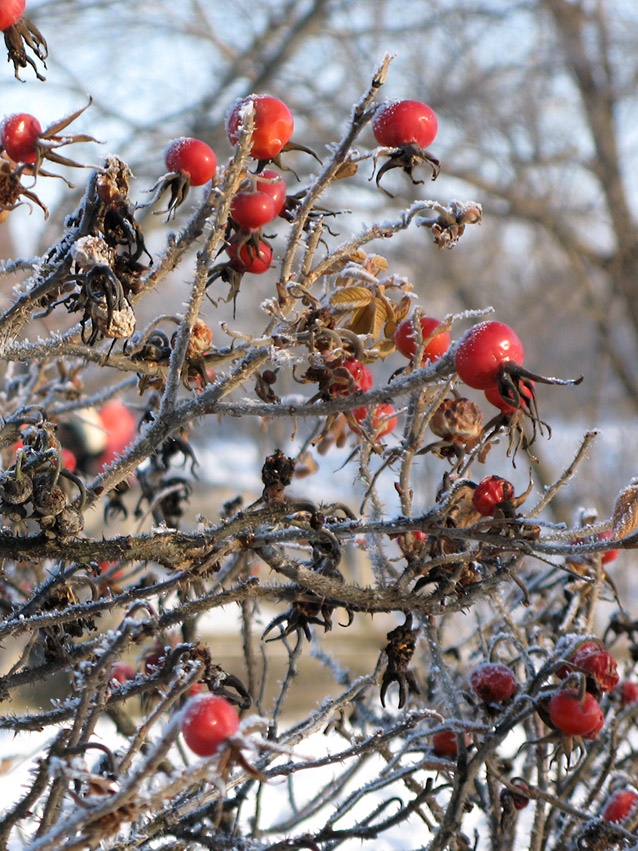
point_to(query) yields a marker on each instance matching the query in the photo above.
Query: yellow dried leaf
(362, 321)
(624, 517)
(378, 319)
(390, 328)
(351, 298)
(402, 309)
(385, 347)
(379, 262)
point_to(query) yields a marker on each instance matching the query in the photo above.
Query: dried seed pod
(459, 421)
(16, 489)
(48, 500)
(91, 251)
(200, 339)
(118, 323)
(69, 522)
(276, 474)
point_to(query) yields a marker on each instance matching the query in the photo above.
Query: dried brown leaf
(345, 170)
(624, 517)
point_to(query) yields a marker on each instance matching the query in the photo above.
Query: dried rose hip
(599, 664)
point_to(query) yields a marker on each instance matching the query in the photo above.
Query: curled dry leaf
(624, 517)
(351, 298)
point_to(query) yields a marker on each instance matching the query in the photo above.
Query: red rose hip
(572, 716)
(192, 157)
(483, 351)
(404, 122)
(620, 805)
(208, 721)
(273, 125)
(405, 339)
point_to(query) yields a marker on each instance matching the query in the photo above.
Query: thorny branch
(78, 603)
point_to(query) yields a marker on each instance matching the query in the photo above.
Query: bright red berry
(10, 12)
(404, 122)
(482, 352)
(120, 428)
(251, 258)
(572, 716)
(620, 805)
(274, 185)
(491, 492)
(251, 210)
(360, 373)
(273, 125)
(193, 158)
(383, 419)
(405, 339)
(19, 136)
(107, 567)
(69, 460)
(608, 555)
(208, 721)
(493, 682)
(628, 692)
(121, 672)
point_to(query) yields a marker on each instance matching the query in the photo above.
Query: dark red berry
(445, 743)
(493, 682)
(599, 664)
(628, 692)
(253, 259)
